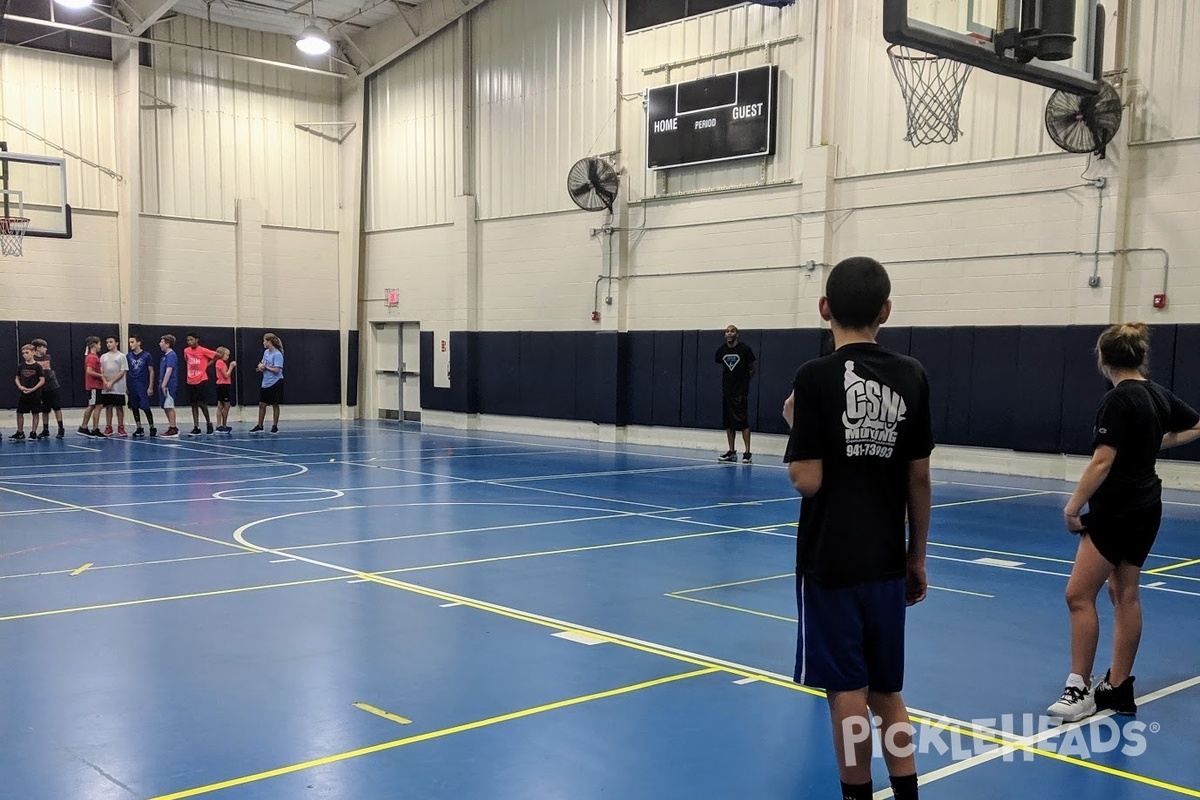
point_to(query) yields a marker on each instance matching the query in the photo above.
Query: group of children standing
(115, 379)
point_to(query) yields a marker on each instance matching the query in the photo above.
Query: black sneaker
(153, 432)
(256, 429)
(745, 458)
(139, 433)
(210, 429)
(195, 432)
(274, 429)
(18, 436)
(61, 432)
(730, 456)
(45, 434)
(1116, 698)
(84, 432)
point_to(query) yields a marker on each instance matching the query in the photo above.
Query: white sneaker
(1075, 704)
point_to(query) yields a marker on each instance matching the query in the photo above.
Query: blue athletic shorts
(139, 399)
(851, 637)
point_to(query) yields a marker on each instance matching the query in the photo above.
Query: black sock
(861, 791)
(904, 787)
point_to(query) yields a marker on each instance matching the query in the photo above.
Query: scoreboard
(718, 118)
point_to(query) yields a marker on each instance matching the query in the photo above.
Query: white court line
(1032, 740)
(89, 449)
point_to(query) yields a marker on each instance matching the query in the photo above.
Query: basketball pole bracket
(342, 130)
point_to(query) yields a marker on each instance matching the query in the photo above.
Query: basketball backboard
(1054, 43)
(35, 187)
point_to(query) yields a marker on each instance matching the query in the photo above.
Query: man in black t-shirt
(858, 453)
(737, 368)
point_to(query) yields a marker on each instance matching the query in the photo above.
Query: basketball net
(933, 90)
(12, 234)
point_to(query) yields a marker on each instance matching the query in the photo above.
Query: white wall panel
(999, 117)
(413, 261)
(300, 278)
(231, 132)
(1164, 211)
(69, 280)
(705, 42)
(545, 97)
(188, 274)
(1164, 61)
(68, 102)
(412, 158)
(538, 273)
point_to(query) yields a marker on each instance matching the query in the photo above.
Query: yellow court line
(733, 583)
(423, 737)
(148, 600)
(83, 569)
(130, 520)
(379, 712)
(1168, 567)
(1033, 748)
(730, 608)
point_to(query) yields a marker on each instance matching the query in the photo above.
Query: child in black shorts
(1124, 498)
(30, 380)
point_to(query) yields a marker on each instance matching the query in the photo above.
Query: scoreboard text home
(718, 118)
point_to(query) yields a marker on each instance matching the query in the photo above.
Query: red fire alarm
(595, 316)
(1160, 300)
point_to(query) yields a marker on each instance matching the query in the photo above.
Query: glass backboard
(1054, 43)
(35, 187)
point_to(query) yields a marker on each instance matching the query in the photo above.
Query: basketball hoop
(12, 233)
(933, 88)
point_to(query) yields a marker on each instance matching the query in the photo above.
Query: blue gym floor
(364, 611)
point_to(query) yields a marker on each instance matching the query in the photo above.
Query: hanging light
(74, 4)
(313, 40)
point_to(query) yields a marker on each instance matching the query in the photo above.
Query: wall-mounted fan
(1084, 123)
(592, 184)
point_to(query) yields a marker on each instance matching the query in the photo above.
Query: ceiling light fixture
(312, 40)
(74, 4)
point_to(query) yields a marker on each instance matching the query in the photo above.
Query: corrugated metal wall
(545, 97)
(231, 132)
(67, 101)
(705, 41)
(412, 151)
(1164, 58)
(999, 117)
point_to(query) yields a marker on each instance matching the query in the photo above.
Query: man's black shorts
(735, 415)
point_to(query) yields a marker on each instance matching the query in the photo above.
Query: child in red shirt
(225, 369)
(197, 359)
(93, 382)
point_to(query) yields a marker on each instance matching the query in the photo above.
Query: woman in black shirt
(1124, 497)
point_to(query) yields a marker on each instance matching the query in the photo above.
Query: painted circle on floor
(281, 494)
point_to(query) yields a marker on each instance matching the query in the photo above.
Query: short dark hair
(857, 289)
(39, 343)
(193, 336)
(137, 338)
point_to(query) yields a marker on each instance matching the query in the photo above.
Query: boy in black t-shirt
(859, 455)
(1124, 498)
(30, 379)
(737, 368)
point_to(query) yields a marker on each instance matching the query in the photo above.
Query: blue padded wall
(1186, 381)
(783, 351)
(992, 384)
(1036, 397)
(352, 368)
(666, 404)
(10, 355)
